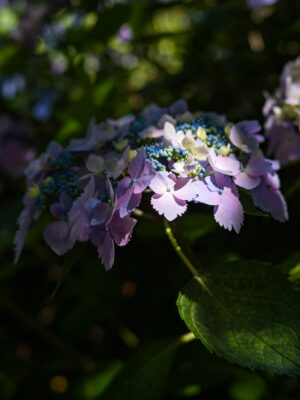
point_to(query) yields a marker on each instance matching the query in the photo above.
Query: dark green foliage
(146, 374)
(248, 314)
(93, 329)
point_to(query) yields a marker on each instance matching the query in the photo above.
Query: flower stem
(141, 213)
(178, 249)
(188, 263)
(187, 337)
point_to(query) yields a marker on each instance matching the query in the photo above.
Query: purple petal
(161, 182)
(206, 196)
(229, 213)
(249, 128)
(121, 229)
(123, 186)
(272, 180)
(244, 180)
(122, 163)
(270, 200)
(124, 200)
(179, 107)
(225, 165)
(136, 166)
(101, 214)
(145, 178)
(222, 181)
(79, 226)
(59, 210)
(78, 216)
(185, 189)
(258, 166)
(133, 203)
(24, 222)
(240, 136)
(57, 236)
(105, 248)
(53, 150)
(168, 205)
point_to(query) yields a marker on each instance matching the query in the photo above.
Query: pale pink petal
(170, 137)
(229, 213)
(206, 196)
(225, 165)
(168, 206)
(161, 182)
(246, 181)
(185, 189)
(151, 131)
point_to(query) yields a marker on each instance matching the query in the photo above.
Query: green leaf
(196, 370)
(93, 386)
(288, 265)
(145, 375)
(246, 312)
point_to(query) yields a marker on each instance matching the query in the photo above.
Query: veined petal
(246, 181)
(258, 166)
(123, 201)
(106, 250)
(185, 189)
(229, 213)
(270, 200)
(57, 236)
(168, 206)
(225, 165)
(206, 196)
(121, 229)
(136, 166)
(161, 182)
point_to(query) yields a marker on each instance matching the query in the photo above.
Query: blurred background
(67, 327)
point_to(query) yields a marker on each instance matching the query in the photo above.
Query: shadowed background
(67, 327)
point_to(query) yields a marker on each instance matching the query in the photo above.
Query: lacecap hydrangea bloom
(175, 157)
(282, 112)
(255, 4)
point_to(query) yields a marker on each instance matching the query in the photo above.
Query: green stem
(178, 249)
(187, 337)
(188, 263)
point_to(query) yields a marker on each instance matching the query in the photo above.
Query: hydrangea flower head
(254, 4)
(170, 156)
(282, 113)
